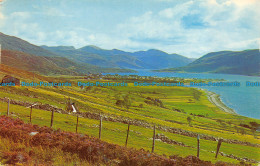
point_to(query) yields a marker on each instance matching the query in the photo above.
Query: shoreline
(215, 99)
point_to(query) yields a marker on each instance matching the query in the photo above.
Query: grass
(140, 137)
(213, 121)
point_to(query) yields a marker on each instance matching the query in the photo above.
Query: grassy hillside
(24, 55)
(49, 65)
(17, 44)
(169, 108)
(228, 62)
(45, 146)
(31, 63)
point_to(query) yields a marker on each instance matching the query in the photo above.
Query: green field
(175, 106)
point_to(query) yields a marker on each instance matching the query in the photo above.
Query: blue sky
(188, 27)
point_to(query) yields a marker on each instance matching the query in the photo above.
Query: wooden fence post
(52, 114)
(77, 123)
(218, 147)
(31, 114)
(198, 146)
(127, 135)
(8, 106)
(100, 126)
(153, 138)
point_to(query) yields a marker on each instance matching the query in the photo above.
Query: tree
(253, 127)
(120, 103)
(127, 101)
(253, 132)
(141, 105)
(219, 121)
(68, 107)
(254, 124)
(236, 128)
(189, 120)
(242, 131)
(229, 122)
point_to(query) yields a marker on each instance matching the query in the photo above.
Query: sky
(188, 27)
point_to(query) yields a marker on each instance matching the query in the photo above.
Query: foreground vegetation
(30, 144)
(179, 113)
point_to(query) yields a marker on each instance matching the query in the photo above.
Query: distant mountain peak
(156, 51)
(92, 47)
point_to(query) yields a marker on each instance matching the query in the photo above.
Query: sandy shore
(215, 99)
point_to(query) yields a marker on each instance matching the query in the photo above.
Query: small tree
(120, 103)
(253, 127)
(219, 121)
(242, 131)
(236, 128)
(229, 122)
(189, 120)
(127, 101)
(141, 105)
(253, 132)
(68, 107)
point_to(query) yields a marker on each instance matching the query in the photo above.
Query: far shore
(215, 99)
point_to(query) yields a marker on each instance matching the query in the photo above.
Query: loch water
(244, 100)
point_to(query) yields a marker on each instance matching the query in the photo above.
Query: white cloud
(20, 15)
(147, 26)
(225, 25)
(176, 12)
(243, 3)
(2, 17)
(190, 28)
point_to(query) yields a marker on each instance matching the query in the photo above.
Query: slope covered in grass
(35, 141)
(245, 62)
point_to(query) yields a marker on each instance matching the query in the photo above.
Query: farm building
(8, 79)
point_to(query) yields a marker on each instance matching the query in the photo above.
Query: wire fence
(101, 127)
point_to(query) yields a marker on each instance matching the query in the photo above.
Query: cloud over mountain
(188, 27)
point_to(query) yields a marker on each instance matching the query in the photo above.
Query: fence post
(77, 123)
(31, 114)
(127, 135)
(218, 147)
(198, 148)
(8, 106)
(153, 138)
(100, 126)
(52, 114)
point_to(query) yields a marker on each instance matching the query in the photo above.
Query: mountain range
(69, 60)
(150, 59)
(66, 59)
(245, 62)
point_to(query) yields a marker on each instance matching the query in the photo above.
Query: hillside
(91, 56)
(48, 65)
(168, 108)
(245, 62)
(31, 63)
(151, 59)
(82, 149)
(159, 59)
(19, 73)
(24, 55)
(17, 44)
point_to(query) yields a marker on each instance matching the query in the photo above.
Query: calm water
(244, 100)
